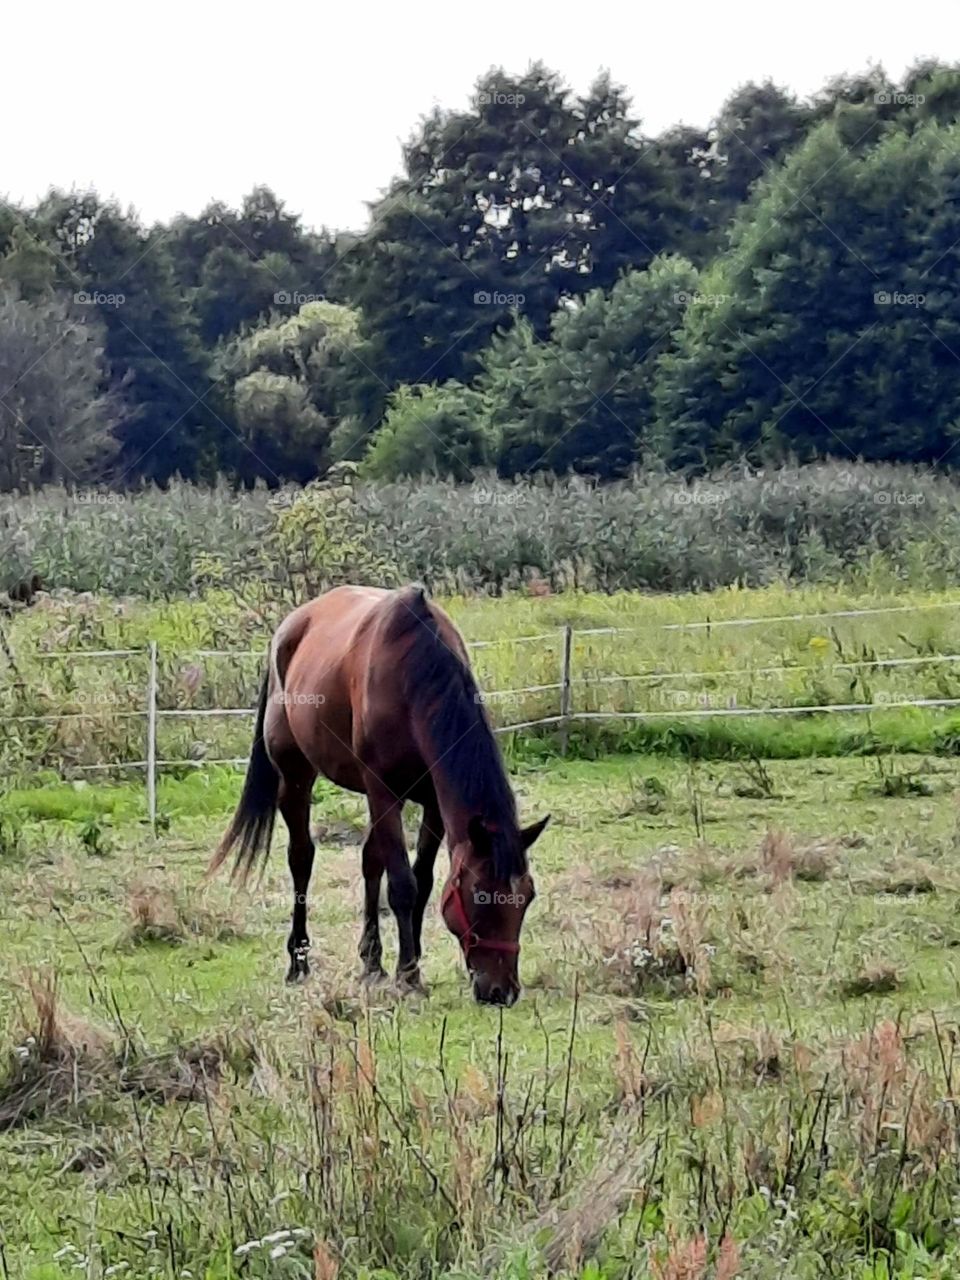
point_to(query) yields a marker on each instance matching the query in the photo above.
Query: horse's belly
(321, 723)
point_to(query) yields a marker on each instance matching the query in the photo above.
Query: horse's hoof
(373, 977)
(299, 969)
(410, 984)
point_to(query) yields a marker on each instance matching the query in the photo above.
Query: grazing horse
(373, 689)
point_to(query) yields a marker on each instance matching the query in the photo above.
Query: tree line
(543, 288)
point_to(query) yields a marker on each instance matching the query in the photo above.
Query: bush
(428, 429)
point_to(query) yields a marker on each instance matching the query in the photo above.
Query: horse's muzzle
(505, 994)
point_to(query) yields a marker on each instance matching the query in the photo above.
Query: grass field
(734, 1056)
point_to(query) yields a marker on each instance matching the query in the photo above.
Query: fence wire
(565, 715)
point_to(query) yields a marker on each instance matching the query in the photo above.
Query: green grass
(757, 1096)
(772, 1068)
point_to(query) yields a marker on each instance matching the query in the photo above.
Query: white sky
(167, 107)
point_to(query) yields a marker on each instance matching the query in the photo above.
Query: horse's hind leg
(296, 786)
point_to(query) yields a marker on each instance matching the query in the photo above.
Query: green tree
(835, 320)
(757, 127)
(237, 265)
(682, 156)
(583, 401)
(28, 264)
(529, 197)
(57, 418)
(284, 383)
(429, 430)
(123, 274)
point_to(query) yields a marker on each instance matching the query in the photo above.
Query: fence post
(152, 739)
(566, 693)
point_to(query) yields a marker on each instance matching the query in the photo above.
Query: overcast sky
(168, 106)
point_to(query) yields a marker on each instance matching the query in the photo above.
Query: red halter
(465, 934)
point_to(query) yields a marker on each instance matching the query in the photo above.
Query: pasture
(628, 655)
(734, 1056)
(675, 448)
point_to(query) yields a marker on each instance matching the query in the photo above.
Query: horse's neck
(467, 774)
(454, 811)
(457, 810)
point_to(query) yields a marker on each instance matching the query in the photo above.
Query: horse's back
(329, 620)
(337, 667)
(312, 662)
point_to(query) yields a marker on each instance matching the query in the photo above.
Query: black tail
(252, 824)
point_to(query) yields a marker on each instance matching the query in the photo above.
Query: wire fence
(566, 712)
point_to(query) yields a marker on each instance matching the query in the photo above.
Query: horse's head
(484, 901)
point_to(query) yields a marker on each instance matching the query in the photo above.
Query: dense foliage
(847, 347)
(283, 382)
(655, 531)
(543, 287)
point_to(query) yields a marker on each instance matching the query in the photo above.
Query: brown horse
(373, 688)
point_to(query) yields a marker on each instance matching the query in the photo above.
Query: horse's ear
(529, 834)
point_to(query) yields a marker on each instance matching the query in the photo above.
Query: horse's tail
(252, 825)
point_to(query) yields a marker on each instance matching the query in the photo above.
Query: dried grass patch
(64, 1061)
(160, 913)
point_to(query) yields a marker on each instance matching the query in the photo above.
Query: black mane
(439, 684)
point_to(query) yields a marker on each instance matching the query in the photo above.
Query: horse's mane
(439, 685)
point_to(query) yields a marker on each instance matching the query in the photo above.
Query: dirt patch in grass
(875, 980)
(638, 937)
(897, 883)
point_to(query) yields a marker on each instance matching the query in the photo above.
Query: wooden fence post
(152, 738)
(566, 692)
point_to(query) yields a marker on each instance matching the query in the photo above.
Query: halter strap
(465, 934)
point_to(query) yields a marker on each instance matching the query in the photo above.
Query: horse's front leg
(428, 843)
(386, 817)
(371, 948)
